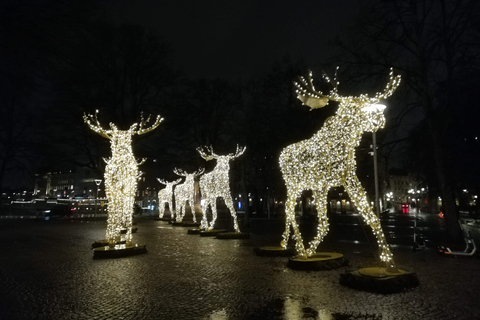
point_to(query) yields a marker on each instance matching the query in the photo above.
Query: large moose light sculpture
(216, 184)
(165, 196)
(328, 159)
(186, 192)
(121, 174)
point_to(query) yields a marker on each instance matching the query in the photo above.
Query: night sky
(57, 54)
(231, 39)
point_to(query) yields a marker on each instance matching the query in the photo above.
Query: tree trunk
(246, 221)
(442, 168)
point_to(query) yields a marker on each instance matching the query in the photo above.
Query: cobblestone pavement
(47, 271)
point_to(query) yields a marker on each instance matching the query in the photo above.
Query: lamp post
(376, 107)
(375, 169)
(97, 182)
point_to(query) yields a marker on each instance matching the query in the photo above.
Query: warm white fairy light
(328, 159)
(166, 196)
(186, 192)
(216, 184)
(121, 174)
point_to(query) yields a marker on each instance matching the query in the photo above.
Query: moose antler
(143, 122)
(94, 124)
(207, 156)
(199, 172)
(309, 96)
(180, 172)
(165, 182)
(238, 152)
(212, 155)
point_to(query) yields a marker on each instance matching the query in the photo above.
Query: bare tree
(34, 37)
(121, 71)
(435, 45)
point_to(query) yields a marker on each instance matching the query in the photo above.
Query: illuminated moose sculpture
(166, 196)
(328, 159)
(186, 192)
(121, 174)
(216, 184)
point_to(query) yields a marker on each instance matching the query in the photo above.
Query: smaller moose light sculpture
(216, 184)
(121, 174)
(186, 192)
(166, 196)
(328, 159)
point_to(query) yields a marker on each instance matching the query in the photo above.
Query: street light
(375, 107)
(97, 182)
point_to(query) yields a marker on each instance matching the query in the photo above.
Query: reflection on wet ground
(291, 309)
(47, 271)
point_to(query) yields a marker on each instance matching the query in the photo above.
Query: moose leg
(213, 204)
(161, 209)
(229, 204)
(290, 221)
(172, 212)
(112, 227)
(320, 200)
(113, 221)
(359, 198)
(180, 214)
(204, 222)
(128, 226)
(191, 203)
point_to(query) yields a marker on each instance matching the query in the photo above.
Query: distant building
(68, 184)
(399, 186)
(407, 192)
(340, 202)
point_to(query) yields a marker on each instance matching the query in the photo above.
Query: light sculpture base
(318, 261)
(190, 224)
(164, 219)
(194, 231)
(380, 280)
(233, 235)
(119, 251)
(274, 251)
(104, 243)
(124, 231)
(212, 233)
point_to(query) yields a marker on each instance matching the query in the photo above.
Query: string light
(186, 192)
(216, 184)
(121, 174)
(166, 196)
(328, 159)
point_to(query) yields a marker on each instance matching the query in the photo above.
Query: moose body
(326, 156)
(165, 196)
(216, 184)
(121, 175)
(328, 159)
(186, 192)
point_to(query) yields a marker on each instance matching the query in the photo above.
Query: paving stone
(47, 271)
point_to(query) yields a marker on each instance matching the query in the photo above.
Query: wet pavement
(47, 271)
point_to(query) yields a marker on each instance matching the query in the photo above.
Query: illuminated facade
(166, 196)
(216, 184)
(121, 174)
(328, 159)
(186, 192)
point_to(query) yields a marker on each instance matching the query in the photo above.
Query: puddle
(291, 309)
